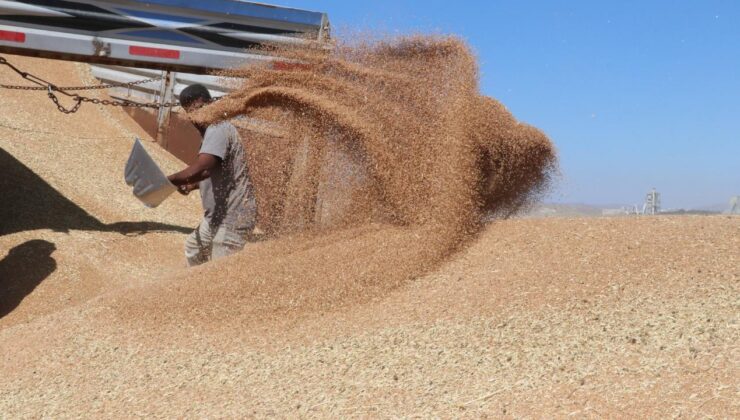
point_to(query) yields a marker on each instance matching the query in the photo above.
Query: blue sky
(635, 94)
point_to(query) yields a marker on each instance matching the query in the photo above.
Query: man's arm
(198, 171)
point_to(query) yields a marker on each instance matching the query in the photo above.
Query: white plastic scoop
(150, 184)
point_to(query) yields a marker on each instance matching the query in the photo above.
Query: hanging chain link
(94, 87)
(78, 100)
(51, 88)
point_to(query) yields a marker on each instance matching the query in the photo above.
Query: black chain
(94, 87)
(78, 99)
(60, 107)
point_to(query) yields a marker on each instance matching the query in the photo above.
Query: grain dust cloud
(372, 163)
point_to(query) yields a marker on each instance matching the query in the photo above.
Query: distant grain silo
(734, 205)
(652, 203)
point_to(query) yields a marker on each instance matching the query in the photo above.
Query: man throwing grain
(221, 174)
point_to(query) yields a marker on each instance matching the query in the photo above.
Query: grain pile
(623, 317)
(627, 317)
(62, 184)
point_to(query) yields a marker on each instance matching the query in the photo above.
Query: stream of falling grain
(378, 161)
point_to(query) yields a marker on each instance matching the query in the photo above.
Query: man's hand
(187, 188)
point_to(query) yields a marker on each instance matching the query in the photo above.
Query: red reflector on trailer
(154, 52)
(12, 36)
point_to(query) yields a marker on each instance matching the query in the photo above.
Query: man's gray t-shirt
(227, 194)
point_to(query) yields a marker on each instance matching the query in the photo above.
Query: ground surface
(622, 317)
(62, 188)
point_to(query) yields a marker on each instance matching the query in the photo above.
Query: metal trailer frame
(185, 39)
(173, 35)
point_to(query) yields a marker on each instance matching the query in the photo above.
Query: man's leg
(199, 245)
(228, 240)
